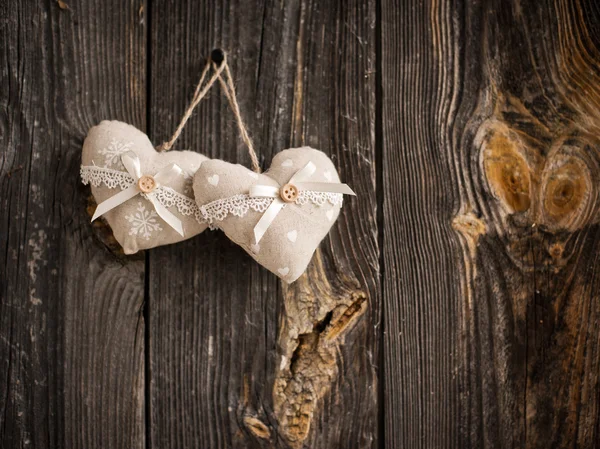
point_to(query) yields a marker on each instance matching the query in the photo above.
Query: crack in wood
(318, 315)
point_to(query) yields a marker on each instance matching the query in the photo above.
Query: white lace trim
(239, 205)
(109, 177)
(96, 176)
(319, 198)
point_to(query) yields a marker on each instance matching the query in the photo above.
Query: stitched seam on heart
(167, 196)
(240, 204)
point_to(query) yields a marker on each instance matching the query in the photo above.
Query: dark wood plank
(235, 359)
(71, 334)
(420, 283)
(490, 125)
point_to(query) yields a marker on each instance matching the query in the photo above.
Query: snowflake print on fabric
(112, 154)
(143, 222)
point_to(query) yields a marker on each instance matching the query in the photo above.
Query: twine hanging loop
(218, 64)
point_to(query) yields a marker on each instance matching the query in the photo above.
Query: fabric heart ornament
(278, 217)
(146, 196)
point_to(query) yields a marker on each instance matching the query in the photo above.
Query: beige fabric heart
(294, 234)
(135, 223)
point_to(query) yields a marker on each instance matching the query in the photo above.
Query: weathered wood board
(490, 179)
(71, 330)
(455, 301)
(262, 364)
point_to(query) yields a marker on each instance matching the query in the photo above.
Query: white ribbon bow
(133, 166)
(298, 180)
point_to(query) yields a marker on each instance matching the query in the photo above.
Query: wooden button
(288, 193)
(146, 184)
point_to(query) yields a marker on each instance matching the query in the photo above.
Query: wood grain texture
(473, 124)
(490, 164)
(71, 337)
(241, 362)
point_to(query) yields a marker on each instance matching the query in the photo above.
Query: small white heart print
(329, 214)
(287, 163)
(283, 271)
(214, 179)
(327, 175)
(253, 175)
(255, 248)
(292, 236)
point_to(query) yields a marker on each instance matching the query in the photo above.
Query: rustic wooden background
(455, 302)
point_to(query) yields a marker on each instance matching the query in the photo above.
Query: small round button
(146, 184)
(288, 193)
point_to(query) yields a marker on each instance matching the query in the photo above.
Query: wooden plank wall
(490, 140)
(71, 329)
(454, 303)
(225, 323)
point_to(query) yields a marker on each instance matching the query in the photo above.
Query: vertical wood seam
(146, 311)
(379, 194)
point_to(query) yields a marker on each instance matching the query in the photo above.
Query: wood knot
(471, 227)
(566, 189)
(506, 169)
(550, 180)
(556, 250)
(257, 427)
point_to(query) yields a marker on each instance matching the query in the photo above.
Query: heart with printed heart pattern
(229, 199)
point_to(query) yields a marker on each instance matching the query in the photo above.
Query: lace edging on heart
(239, 205)
(96, 176)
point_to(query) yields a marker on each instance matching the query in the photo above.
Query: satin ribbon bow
(133, 167)
(299, 181)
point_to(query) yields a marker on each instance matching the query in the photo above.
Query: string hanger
(219, 65)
